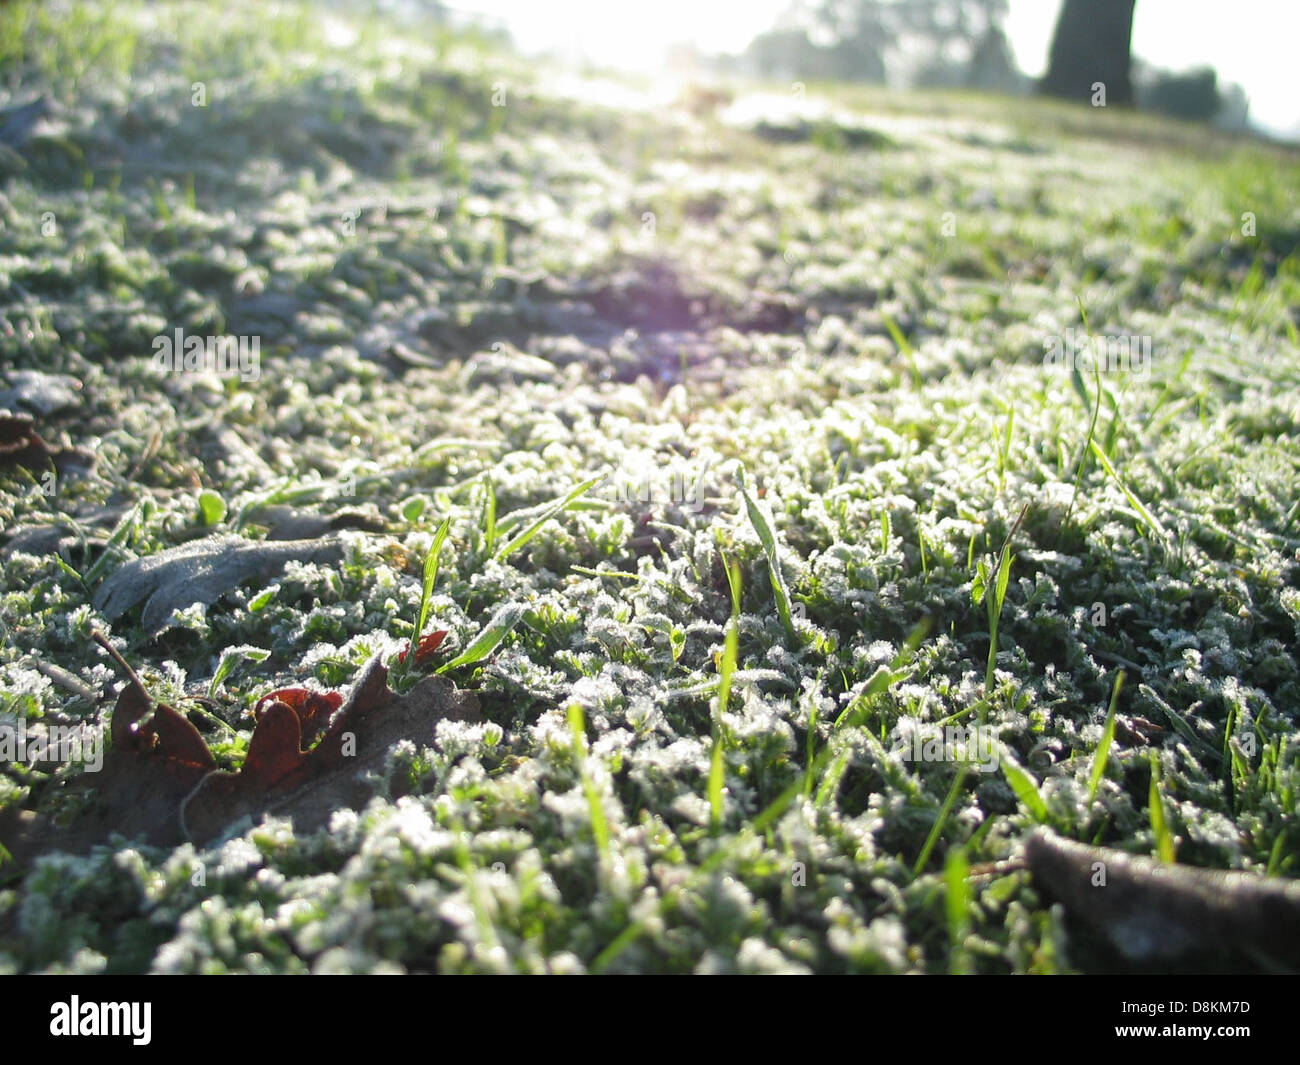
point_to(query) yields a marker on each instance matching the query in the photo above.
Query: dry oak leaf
(426, 647)
(201, 572)
(284, 776)
(156, 759)
(1151, 911)
(159, 783)
(21, 446)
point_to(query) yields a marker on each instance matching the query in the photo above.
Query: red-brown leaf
(159, 781)
(20, 446)
(314, 709)
(275, 751)
(425, 648)
(164, 732)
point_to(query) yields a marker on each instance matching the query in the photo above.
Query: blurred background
(1232, 65)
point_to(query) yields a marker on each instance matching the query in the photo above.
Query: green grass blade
(886, 677)
(944, 812)
(230, 658)
(430, 579)
(490, 516)
(1100, 758)
(1275, 855)
(65, 568)
(782, 802)
(767, 538)
(733, 585)
(979, 584)
(1156, 806)
(730, 652)
(556, 508)
(119, 534)
(957, 902)
(1150, 519)
(1081, 389)
(621, 942)
(810, 750)
(612, 574)
(1004, 578)
(1004, 455)
(831, 781)
(489, 639)
(405, 668)
(1092, 425)
(995, 602)
(727, 668)
(905, 346)
(599, 827)
(717, 778)
(778, 806)
(1025, 788)
(1181, 725)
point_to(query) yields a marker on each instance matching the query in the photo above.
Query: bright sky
(1252, 42)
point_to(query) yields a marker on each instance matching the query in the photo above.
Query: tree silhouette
(1091, 45)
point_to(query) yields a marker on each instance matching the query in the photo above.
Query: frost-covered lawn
(476, 286)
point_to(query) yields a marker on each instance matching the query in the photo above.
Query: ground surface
(468, 311)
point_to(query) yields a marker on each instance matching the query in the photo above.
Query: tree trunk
(1091, 45)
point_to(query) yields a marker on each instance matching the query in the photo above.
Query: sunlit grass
(736, 766)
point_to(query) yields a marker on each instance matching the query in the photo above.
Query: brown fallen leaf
(1150, 911)
(201, 572)
(280, 777)
(156, 759)
(314, 709)
(21, 446)
(159, 783)
(426, 647)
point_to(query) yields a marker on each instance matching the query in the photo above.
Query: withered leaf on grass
(1150, 911)
(21, 446)
(201, 572)
(88, 526)
(425, 648)
(156, 759)
(159, 783)
(279, 776)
